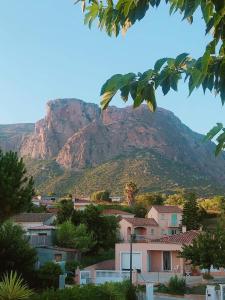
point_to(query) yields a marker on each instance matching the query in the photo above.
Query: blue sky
(46, 52)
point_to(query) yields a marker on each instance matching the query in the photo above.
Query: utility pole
(132, 239)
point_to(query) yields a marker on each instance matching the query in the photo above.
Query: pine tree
(191, 217)
(16, 188)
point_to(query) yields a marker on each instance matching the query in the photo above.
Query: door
(167, 261)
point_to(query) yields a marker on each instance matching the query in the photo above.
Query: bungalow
(28, 220)
(142, 227)
(158, 255)
(168, 217)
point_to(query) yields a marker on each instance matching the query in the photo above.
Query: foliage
(71, 236)
(215, 204)
(206, 71)
(16, 188)
(207, 276)
(177, 285)
(16, 254)
(191, 218)
(12, 287)
(207, 250)
(149, 199)
(88, 259)
(103, 195)
(65, 211)
(139, 210)
(130, 190)
(107, 291)
(103, 228)
(131, 293)
(171, 173)
(175, 199)
(48, 275)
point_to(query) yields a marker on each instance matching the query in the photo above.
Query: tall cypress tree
(191, 218)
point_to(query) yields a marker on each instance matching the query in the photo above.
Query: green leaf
(159, 63)
(149, 96)
(214, 131)
(180, 59)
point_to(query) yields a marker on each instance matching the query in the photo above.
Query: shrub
(207, 276)
(107, 291)
(177, 285)
(100, 196)
(48, 275)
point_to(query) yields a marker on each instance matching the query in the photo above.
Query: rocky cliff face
(77, 135)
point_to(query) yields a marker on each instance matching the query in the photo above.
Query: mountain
(76, 147)
(12, 135)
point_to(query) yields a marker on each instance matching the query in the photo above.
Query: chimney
(184, 229)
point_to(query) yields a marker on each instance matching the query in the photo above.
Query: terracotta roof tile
(103, 265)
(167, 208)
(141, 221)
(180, 238)
(115, 212)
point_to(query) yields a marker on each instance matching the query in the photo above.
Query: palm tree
(130, 191)
(13, 287)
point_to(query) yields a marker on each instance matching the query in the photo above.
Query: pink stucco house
(168, 217)
(141, 227)
(158, 255)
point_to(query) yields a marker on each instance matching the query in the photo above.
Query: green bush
(48, 275)
(177, 285)
(107, 291)
(207, 276)
(101, 196)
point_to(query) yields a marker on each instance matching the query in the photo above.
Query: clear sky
(46, 52)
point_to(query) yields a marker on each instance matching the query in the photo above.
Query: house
(55, 254)
(28, 220)
(142, 228)
(81, 204)
(168, 217)
(117, 213)
(41, 235)
(157, 255)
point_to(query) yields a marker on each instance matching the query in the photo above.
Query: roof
(43, 227)
(141, 221)
(116, 212)
(167, 208)
(103, 265)
(32, 217)
(55, 248)
(180, 238)
(81, 201)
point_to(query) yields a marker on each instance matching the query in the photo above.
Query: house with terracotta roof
(141, 227)
(155, 255)
(168, 217)
(117, 213)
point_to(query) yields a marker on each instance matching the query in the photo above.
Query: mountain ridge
(75, 139)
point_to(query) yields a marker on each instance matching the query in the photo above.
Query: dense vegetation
(149, 170)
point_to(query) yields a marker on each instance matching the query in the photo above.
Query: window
(166, 261)
(174, 220)
(152, 231)
(125, 261)
(42, 234)
(162, 217)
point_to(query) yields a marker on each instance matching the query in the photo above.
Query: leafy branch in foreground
(207, 71)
